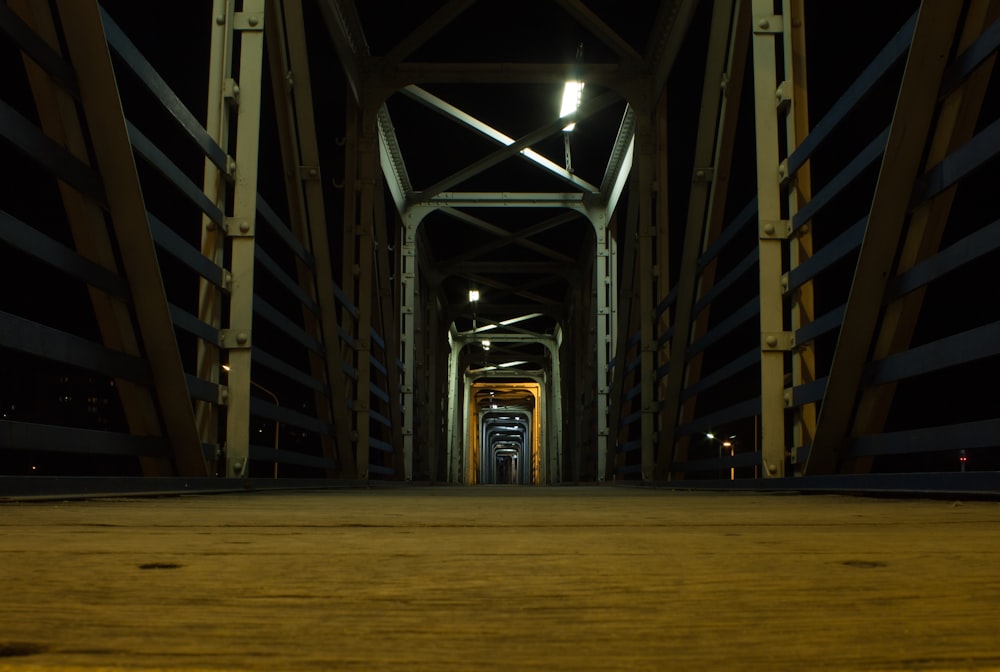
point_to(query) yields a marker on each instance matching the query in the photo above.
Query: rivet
(236, 89)
(772, 468)
(313, 172)
(699, 173)
(771, 341)
(242, 337)
(769, 229)
(253, 20)
(245, 226)
(804, 229)
(220, 20)
(764, 24)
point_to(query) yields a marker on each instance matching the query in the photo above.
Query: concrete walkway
(500, 578)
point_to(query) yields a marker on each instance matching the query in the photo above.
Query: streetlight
(572, 94)
(277, 424)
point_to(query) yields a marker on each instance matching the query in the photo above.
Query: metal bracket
(768, 24)
(231, 92)
(235, 339)
(309, 173)
(774, 229)
(783, 177)
(703, 175)
(252, 21)
(783, 95)
(777, 341)
(237, 227)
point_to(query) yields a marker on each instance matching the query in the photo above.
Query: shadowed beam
(915, 107)
(428, 29)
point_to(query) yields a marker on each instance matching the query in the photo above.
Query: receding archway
(505, 423)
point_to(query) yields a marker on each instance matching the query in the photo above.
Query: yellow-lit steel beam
(215, 186)
(59, 119)
(88, 52)
(933, 38)
(955, 126)
(794, 94)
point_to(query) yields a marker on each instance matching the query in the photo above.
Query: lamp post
(277, 424)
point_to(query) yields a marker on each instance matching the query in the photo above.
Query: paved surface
(500, 578)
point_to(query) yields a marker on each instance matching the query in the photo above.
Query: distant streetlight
(277, 424)
(473, 295)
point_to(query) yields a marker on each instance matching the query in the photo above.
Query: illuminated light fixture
(473, 295)
(486, 344)
(572, 93)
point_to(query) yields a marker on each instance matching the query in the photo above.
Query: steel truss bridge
(237, 243)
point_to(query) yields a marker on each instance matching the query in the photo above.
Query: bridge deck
(500, 578)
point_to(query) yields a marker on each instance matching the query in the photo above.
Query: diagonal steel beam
(428, 29)
(915, 106)
(88, 52)
(955, 126)
(586, 110)
(670, 28)
(348, 39)
(602, 30)
(509, 238)
(459, 116)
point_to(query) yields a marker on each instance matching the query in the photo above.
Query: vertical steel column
(774, 340)
(605, 286)
(408, 312)
(364, 264)
(661, 223)
(455, 427)
(237, 339)
(645, 155)
(210, 298)
(793, 95)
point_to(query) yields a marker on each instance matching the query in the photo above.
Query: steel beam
(238, 337)
(720, 100)
(88, 52)
(933, 38)
(210, 297)
(955, 125)
(794, 94)
(59, 120)
(294, 104)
